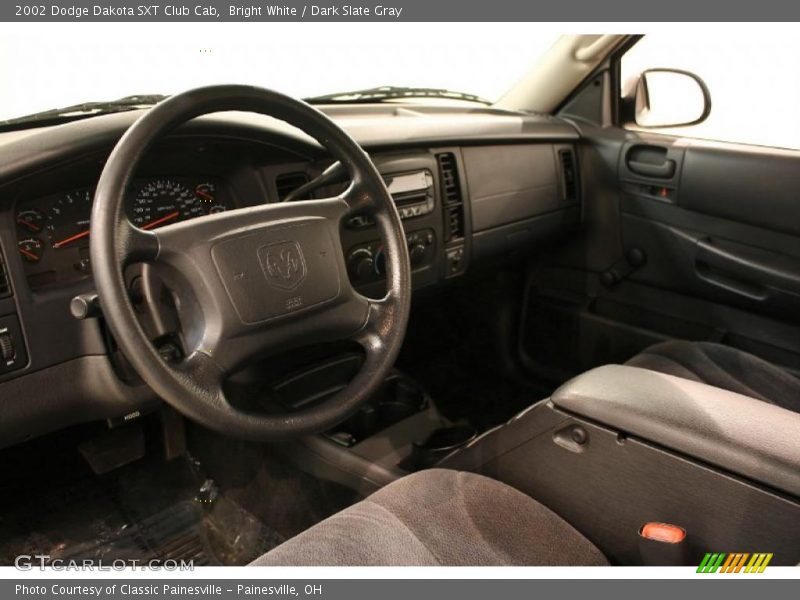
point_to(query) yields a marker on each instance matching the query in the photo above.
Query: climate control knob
(416, 253)
(361, 264)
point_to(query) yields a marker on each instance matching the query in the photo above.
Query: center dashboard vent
(566, 158)
(452, 201)
(5, 284)
(286, 183)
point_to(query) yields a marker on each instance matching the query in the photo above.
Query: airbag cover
(275, 271)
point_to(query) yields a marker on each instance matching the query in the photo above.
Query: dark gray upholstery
(440, 517)
(723, 367)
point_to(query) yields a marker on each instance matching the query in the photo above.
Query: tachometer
(163, 201)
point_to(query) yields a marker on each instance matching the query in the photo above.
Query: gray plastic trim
(76, 391)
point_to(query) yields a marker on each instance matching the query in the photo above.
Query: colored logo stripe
(758, 563)
(711, 562)
(734, 562)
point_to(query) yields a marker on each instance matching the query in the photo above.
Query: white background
(47, 65)
(750, 68)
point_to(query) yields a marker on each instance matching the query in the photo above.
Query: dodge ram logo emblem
(283, 264)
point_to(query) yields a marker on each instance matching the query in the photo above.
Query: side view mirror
(668, 98)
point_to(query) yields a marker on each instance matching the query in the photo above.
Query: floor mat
(175, 533)
(263, 481)
(149, 510)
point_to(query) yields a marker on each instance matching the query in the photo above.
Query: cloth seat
(440, 517)
(723, 367)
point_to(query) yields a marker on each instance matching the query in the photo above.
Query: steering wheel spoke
(137, 245)
(357, 197)
(201, 369)
(375, 331)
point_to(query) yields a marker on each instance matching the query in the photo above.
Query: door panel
(692, 233)
(719, 229)
(757, 186)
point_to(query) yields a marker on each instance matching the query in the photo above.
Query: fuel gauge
(206, 192)
(31, 249)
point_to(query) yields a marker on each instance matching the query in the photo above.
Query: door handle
(663, 171)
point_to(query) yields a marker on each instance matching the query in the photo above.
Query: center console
(414, 195)
(619, 447)
(397, 431)
(429, 193)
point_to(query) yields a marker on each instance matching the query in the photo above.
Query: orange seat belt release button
(663, 532)
(661, 544)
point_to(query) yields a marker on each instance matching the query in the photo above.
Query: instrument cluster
(53, 232)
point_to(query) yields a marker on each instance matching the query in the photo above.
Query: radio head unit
(412, 192)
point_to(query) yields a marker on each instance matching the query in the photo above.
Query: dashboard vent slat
(567, 159)
(5, 284)
(451, 196)
(286, 183)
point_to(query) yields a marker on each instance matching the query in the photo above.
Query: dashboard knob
(7, 351)
(361, 263)
(416, 253)
(85, 306)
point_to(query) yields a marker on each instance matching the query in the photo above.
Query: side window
(752, 81)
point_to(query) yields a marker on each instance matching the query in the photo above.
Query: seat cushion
(723, 367)
(440, 517)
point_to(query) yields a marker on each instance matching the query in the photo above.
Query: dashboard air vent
(289, 182)
(5, 284)
(451, 196)
(567, 159)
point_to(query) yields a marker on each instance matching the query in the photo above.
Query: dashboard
(471, 186)
(53, 232)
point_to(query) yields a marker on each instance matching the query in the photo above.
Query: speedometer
(68, 221)
(164, 201)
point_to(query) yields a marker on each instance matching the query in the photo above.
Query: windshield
(44, 66)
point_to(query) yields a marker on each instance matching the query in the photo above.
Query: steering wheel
(251, 281)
